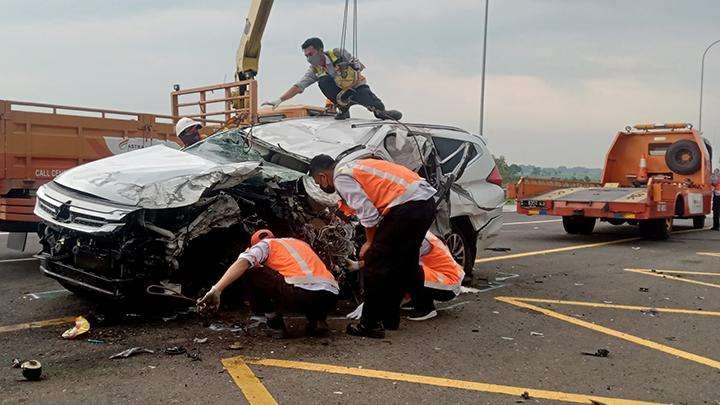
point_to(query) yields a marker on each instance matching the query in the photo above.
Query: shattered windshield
(225, 147)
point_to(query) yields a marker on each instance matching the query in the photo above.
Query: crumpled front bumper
(92, 283)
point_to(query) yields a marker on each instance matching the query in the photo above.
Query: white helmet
(183, 124)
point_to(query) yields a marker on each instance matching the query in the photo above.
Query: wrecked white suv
(114, 226)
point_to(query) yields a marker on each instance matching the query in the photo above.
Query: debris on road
(16, 363)
(525, 395)
(536, 334)
(636, 248)
(598, 353)
(507, 338)
(96, 341)
(643, 289)
(131, 352)
(498, 249)
(193, 356)
(222, 327)
(235, 346)
(31, 370)
(652, 312)
(174, 350)
(81, 327)
(578, 284)
(337, 392)
(200, 340)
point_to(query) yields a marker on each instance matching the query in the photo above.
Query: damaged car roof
(316, 135)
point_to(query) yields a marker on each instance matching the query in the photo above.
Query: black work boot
(360, 329)
(276, 327)
(342, 114)
(388, 115)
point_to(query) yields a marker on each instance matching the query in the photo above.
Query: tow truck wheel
(699, 222)
(578, 225)
(658, 229)
(462, 243)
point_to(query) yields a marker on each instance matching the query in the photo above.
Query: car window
(450, 152)
(224, 147)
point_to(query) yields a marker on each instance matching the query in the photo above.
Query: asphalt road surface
(651, 304)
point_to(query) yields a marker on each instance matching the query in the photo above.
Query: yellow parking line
(649, 272)
(709, 254)
(612, 332)
(443, 382)
(570, 248)
(37, 324)
(556, 250)
(616, 306)
(254, 390)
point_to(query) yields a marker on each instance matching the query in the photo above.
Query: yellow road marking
(709, 254)
(37, 324)
(666, 276)
(570, 248)
(612, 332)
(443, 382)
(555, 250)
(616, 306)
(699, 273)
(254, 390)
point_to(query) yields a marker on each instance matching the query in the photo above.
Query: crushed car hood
(154, 177)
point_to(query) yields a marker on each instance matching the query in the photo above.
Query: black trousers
(716, 210)
(423, 299)
(267, 291)
(363, 95)
(392, 262)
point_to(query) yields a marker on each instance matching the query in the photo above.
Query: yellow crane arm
(248, 53)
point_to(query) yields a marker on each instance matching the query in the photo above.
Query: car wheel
(658, 229)
(683, 157)
(578, 225)
(462, 243)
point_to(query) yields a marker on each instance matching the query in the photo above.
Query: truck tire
(699, 222)
(578, 225)
(657, 229)
(462, 243)
(683, 157)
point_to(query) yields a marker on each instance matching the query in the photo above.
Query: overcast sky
(562, 75)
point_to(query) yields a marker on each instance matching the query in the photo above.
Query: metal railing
(237, 101)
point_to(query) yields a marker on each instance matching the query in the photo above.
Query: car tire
(462, 243)
(699, 222)
(578, 225)
(683, 157)
(656, 229)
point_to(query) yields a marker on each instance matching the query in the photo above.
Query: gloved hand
(273, 103)
(355, 265)
(210, 302)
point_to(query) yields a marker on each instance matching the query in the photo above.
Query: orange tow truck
(653, 174)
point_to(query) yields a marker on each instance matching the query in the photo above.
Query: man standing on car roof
(282, 275)
(715, 181)
(337, 73)
(396, 207)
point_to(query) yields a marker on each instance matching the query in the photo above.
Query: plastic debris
(598, 353)
(236, 346)
(81, 327)
(498, 249)
(193, 356)
(636, 248)
(495, 312)
(507, 338)
(525, 395)
(174, 350)
(96, 341)
(16, 363)
(536, 333)
(221, 327)
(337, 392)
(607, 302)
(31, 370)
(578, 284)
(130, 352)
(643, 289)
(200, 340)
(652, 312)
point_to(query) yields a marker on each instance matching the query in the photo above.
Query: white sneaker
(422, 315)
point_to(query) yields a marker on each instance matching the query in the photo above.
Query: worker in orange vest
(396, 207)
(715, 181)
(282, 275)
(443, 278)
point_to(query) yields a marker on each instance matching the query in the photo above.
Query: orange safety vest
(298, 263)
(386, 184)
(442, 272)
